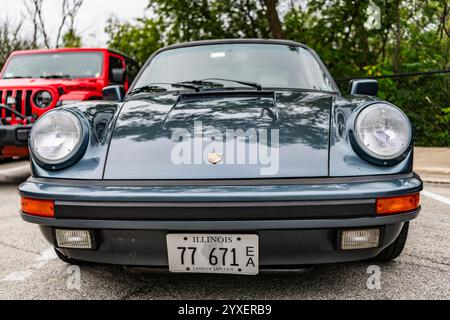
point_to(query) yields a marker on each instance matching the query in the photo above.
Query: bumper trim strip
(215, 204)
(273, 210)
(235, 225)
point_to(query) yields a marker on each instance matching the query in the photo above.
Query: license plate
(213, 253)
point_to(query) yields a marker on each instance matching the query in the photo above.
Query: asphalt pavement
(30, 270)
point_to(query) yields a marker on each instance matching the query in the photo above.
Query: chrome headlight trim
(369, 154)
(41, 104)
(74, 155)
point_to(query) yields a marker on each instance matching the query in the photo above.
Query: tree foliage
(409, 36)
(71, 40)
(11, 40)
(41, 34)
(138, 40)
(176, 21)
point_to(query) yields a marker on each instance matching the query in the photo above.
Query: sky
(91, 18)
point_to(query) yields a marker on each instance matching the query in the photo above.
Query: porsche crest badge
(215, 158)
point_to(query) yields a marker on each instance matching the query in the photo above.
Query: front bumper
(297, 224)
(14, 135)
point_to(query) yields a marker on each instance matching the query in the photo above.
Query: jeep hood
(40, 83)
(171, 137)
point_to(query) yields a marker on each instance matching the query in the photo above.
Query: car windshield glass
(270, 65)
(55, 65)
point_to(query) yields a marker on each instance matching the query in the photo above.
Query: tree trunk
(273, 19)
(398, 37)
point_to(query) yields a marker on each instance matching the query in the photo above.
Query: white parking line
(437, 197)
(18, 276)
(40, 262)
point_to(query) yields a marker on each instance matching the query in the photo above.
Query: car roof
(235, 41)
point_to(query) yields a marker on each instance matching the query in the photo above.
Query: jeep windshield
(58, 65)
(275, 66)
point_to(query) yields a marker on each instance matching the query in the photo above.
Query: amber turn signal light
(36, 207)
(399, 204)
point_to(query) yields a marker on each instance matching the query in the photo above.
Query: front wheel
(395, 249)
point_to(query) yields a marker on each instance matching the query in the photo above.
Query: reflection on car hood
(165, 137)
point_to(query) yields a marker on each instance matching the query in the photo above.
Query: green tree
(187, 20)
(408, 37)
(138, 40)
(71, 40)
(11, 39)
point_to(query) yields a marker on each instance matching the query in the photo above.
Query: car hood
(39, 83)
(249, 134)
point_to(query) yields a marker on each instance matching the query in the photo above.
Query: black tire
(395, 249)
(68, 260)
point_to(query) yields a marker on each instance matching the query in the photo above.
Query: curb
(434, 178)
(12, 173)
(435, 170)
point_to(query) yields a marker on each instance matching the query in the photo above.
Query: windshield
(270, 65)
(55, 65)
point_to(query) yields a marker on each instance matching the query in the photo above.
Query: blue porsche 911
(225, 156)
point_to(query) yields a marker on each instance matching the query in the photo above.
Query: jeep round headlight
(56, 137)
(43, 99)
(383, 131)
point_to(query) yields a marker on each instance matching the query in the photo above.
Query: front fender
(100, 117)
(344, 160)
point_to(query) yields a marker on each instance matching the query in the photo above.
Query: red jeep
(33, 82)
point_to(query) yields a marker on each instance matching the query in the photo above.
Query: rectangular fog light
(73, 239)
(360, 239)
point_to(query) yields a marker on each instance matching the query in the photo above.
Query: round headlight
(383, 131)
(56, 137)
(43, 99)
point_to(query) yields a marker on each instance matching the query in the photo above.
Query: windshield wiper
(55, 76)
(212, 82)
(202, 83)
(155, 87)
(148, 89)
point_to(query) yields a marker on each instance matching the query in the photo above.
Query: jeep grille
(22, 105)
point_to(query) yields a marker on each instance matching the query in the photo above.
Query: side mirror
(118, 75)
(114, 93)
(367, 87)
